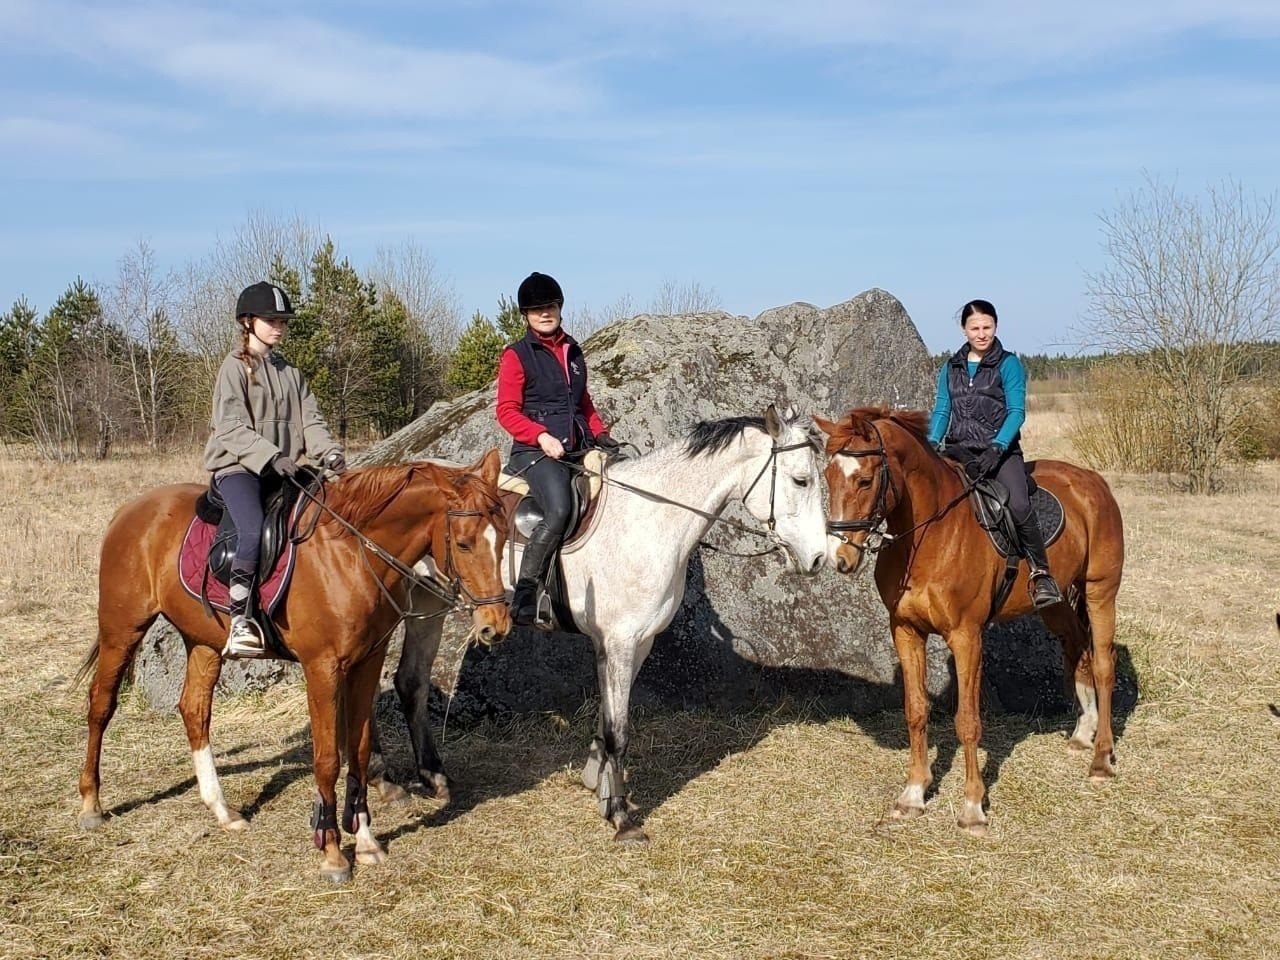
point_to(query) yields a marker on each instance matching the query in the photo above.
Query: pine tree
(510, 320)
(17, 344)
(474, 363)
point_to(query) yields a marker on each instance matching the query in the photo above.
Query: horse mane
(364, 492)
(857, 424)
(713, 436)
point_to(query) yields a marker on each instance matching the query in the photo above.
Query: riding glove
(337, 462)
(285, 467)
(606, 443)
(984, 464)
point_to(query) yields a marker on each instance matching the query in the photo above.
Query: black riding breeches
(551, 483)
(1013, 474)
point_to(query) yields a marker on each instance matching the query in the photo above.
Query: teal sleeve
(941, 409)
(1014, 378)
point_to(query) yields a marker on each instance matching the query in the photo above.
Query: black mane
(712, 436)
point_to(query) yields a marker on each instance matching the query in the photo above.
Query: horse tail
(89, 665)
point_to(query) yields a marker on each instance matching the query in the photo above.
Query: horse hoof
(979, 830)
(388, 792)
(336, 874)
(904, 813)
(632, 836)
(437, 787)
(91, 821)
(236, 825)
(370, 858)
(1076, 745)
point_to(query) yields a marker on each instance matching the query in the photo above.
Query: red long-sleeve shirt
(511, 379)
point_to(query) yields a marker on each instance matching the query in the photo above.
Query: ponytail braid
(245, 354)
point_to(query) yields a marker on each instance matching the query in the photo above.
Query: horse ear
(771, 421)
(489, 466)
(789, 414)
(829, 427)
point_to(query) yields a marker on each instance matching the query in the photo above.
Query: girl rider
(265, 419)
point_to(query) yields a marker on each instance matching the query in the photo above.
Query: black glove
(284, 466)
(336, 461)
(940, 448)
(607, 443)
(984, 464)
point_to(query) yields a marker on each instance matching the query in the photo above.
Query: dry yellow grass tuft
(770, 838)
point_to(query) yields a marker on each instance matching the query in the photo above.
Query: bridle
(772, 466)
(879, 508)
(470, 601)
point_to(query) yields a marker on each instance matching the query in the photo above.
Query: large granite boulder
(747, 630)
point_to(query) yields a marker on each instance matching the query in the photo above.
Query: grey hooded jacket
(254, 422)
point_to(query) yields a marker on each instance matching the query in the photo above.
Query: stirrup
(543, 617)
(1042, 598)
(244, 640)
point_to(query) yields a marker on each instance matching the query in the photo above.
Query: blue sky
(773, 151)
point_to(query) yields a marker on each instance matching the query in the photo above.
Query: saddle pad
(593, 463)
(193, 559)
(1046, 508)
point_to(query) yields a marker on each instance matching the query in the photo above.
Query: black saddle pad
(991, 507)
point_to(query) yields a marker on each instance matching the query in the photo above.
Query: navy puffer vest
(549, 398)
(977, 403)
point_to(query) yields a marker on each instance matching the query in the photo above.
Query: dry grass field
(769, 831)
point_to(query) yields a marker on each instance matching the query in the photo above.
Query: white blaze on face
(849, 466)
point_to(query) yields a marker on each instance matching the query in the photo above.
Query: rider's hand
(984, 464)
(549, 445)
(284, 466)
(336, 461)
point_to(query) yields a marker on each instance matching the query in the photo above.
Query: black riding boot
(1044, 589)
(533, 572)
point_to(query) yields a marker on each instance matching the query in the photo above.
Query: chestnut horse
(937, 572)
(344, 599)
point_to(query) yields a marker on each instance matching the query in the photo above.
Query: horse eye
(864, 481)
(464, 546)
(800, 481)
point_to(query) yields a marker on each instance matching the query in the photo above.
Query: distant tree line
(132, 360)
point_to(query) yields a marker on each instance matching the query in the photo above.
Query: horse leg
(387, 790)
(117, 642)
(1077, 663)
(1100, 597)
(204, 664)
(909, 643)
(966, 649)
(623, 660)
(413, 686)
(323, 684)
(595, 752)
(361, 688)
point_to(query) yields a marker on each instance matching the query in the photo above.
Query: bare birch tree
(1189, 288)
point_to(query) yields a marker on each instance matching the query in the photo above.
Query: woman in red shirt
(544, 404)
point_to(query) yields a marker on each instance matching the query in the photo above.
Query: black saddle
(990, 500)
(277, 504)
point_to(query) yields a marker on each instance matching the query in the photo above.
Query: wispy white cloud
(292, 62)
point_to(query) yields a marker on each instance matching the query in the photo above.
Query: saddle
(523, 515)
(209, 547)
(990, 501)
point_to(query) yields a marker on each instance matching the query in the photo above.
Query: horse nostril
(816, 565)
(487, 634)
(842, 564)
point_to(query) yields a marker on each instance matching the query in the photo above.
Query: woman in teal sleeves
(979, 412)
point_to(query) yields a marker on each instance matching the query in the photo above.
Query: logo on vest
(573, 365)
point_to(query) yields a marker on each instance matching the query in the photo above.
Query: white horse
(625, 582)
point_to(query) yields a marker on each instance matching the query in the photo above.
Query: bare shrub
(1128, 423)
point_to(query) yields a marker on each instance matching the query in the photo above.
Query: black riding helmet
(538, 290)
(264, 300)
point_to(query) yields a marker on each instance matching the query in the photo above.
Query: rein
(769, 534)
(878, 513)
(447, 590)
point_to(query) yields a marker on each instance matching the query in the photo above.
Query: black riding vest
(549, 398)
(978, 406)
